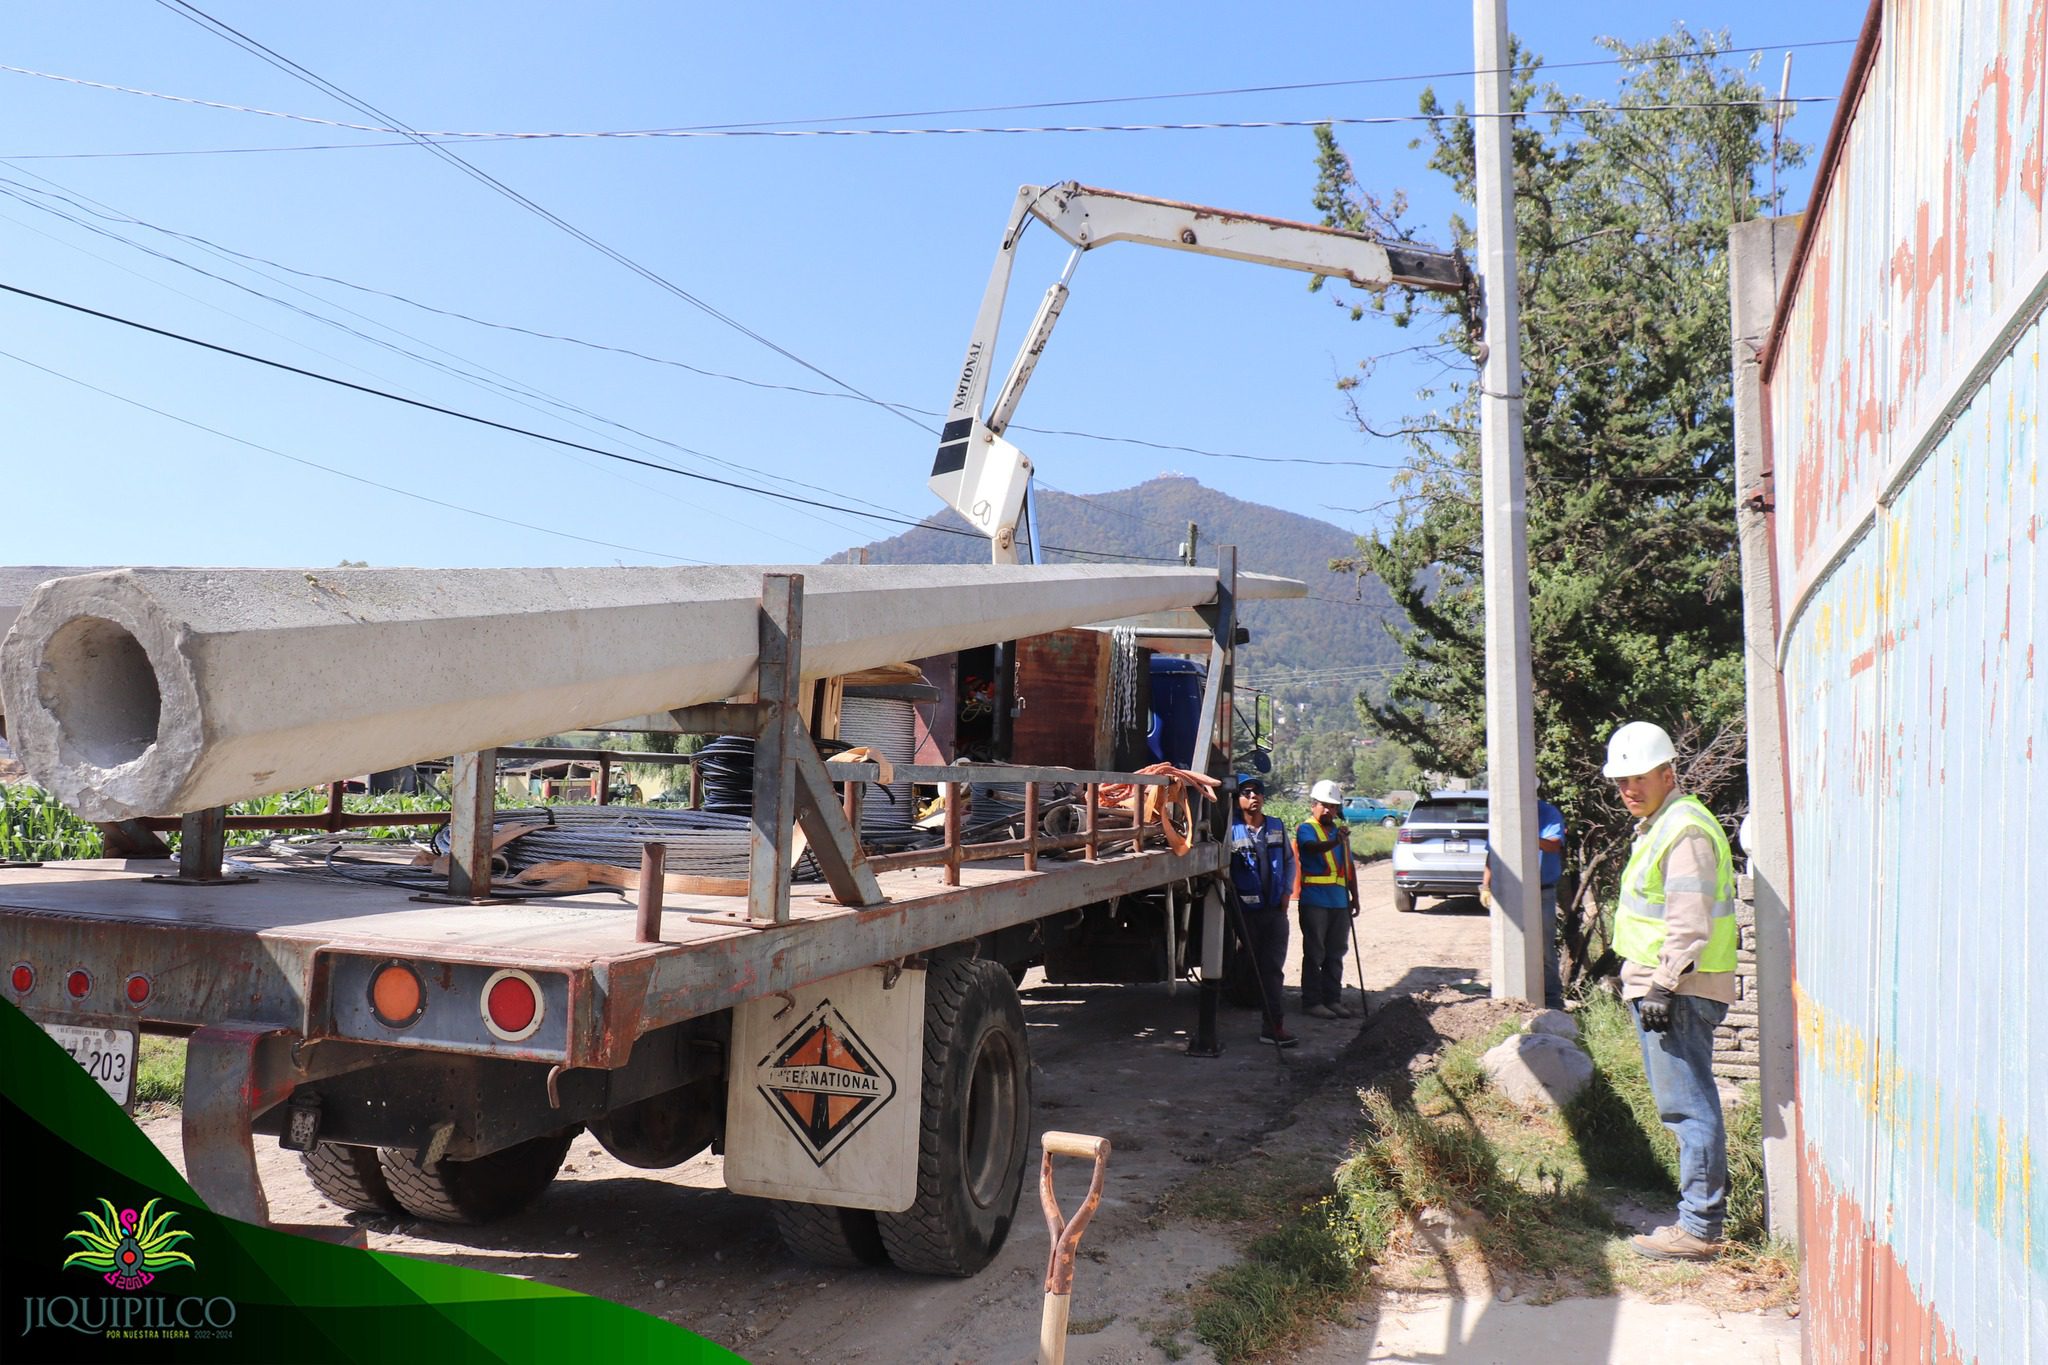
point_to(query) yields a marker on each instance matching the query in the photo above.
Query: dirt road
(1109, 1060)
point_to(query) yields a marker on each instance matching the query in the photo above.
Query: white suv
(1441, 848)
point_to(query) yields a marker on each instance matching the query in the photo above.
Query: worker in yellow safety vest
(1674, 930)
(1326, 901)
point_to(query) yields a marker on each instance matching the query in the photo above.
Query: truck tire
(824, 1235)
(974, 1130)
(481, 1190)
(1404, 901)
(351, 1177)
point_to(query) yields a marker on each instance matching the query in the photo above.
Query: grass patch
(1300, 1273)
(1251, 1189)
(160, 1070)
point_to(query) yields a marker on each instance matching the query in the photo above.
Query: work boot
(1674, 1243)
(1320, 1011)
(1342, 1010)
(1278, 1036)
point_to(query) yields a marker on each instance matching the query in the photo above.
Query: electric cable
(343, 473)
(438, 140)
(748, 381)
(235, 36)
(468, 371)
(509, 428)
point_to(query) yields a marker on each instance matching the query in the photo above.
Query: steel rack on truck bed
(853, 1045)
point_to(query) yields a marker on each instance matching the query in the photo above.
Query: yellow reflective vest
(1639, 918)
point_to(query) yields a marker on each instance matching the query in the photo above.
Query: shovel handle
(1066, 1231)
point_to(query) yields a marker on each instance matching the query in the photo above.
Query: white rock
(1556, 1023)
(1538, 1070)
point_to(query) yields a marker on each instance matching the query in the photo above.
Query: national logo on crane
(823, 1082)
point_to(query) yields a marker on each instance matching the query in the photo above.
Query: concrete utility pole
(1759, 255)
(1510, 710)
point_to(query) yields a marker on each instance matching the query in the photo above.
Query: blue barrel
(1176, 708)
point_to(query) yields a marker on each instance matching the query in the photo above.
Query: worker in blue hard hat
(1262, 873)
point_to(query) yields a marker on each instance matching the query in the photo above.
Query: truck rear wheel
(480, 1190)
(825, 1235)
(974, 1123)
(351, 1177)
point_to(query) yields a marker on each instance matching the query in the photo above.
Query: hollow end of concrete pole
(102, 705)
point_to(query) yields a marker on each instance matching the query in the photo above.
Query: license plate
(107, 1054)
(1457, 846)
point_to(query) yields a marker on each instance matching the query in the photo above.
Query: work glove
(1654, 1009)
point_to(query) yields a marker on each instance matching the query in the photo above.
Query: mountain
(1338, 629)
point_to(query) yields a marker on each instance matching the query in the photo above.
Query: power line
(286, 64)
(515, 389)
(827, 123)
(509, 428)
(1167, 447)
(343, 473)
(440, 140)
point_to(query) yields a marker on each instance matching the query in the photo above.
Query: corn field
(34, 828)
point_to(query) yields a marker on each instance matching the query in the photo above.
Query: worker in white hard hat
(1674, 930)
(1325, 902)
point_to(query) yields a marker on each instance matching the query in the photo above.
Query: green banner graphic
(110, 1256)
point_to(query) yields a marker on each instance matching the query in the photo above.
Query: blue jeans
(1680, 1066)
(1553, 975)
(1325, 934)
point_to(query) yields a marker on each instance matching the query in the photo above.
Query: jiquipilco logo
(129, 1250)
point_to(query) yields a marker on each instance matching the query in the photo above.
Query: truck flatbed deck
(301, 943)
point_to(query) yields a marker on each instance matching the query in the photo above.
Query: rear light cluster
(78, 984)
(510, 1003)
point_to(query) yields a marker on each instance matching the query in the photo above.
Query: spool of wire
(889, 727)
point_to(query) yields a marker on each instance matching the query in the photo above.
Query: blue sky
(864, 255)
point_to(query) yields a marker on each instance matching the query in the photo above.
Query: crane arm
(984, 477)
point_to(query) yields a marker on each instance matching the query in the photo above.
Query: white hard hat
(1637, 748)
(1327, 792)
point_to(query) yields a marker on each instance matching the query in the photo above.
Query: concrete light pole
(1510, 710)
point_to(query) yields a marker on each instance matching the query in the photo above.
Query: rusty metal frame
(235, 1071)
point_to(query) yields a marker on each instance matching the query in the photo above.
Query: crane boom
(985, 478)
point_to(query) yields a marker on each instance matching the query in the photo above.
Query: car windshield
(1448, 813)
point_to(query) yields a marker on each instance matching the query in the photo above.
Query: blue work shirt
(1331, 862)
(1550, 825)
(1261, 864)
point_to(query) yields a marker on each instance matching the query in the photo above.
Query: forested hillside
(1316, 652)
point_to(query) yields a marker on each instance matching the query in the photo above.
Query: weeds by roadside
(1452, 1185)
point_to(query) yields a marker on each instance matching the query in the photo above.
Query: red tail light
(1407, 836)
(79, 983)
(138, 989)
(512, 1005)
(22, 978)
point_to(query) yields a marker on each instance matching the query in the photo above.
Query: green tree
(1622, 222)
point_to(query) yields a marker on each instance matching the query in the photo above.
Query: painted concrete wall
(1904, 397)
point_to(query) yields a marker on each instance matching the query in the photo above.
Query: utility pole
(1187, 548)
(1510, 710)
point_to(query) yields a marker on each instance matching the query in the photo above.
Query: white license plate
(1457, 846)
(107, 1054)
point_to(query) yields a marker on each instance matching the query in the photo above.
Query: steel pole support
(774, 813)
(472, 815)
(1207, 1042)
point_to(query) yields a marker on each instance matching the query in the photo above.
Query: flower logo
(129, 1249)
